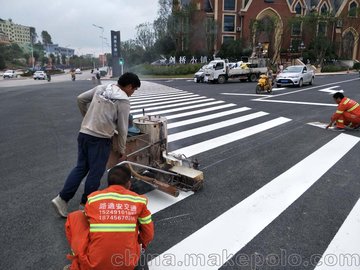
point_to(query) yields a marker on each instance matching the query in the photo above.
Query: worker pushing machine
(105, 109)
(113, 228)
(347, 113)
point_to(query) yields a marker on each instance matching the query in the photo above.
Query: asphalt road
(38, 148)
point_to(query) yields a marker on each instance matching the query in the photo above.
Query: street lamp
(290, 50)
(259, 47)
(102, 40)
(301, 49)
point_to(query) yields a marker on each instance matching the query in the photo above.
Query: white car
(295, 75)
(39, 75)
(10, 74)
(78, 71)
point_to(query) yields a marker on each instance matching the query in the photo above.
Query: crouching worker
(114, 227)
(347, 113)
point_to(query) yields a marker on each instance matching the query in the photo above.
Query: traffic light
(121, 61)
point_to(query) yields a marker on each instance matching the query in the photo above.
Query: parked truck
(220, 71)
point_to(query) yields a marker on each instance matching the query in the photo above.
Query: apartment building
(15, 32)
(213, 22)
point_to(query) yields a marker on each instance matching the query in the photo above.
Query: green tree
(145, 35)
(46, 38)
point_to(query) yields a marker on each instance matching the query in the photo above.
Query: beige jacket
(105, 109)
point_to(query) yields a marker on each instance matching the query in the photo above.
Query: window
(324, 9)
(298, 9)
(322, 28)
(228, 39)
(219, 65)
(229, 23)
(296, 29)
(353, 9)
(229, 5)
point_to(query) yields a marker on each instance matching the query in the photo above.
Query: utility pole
(102, 42)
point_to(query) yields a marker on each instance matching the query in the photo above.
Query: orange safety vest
(346, 105)
(119, 222)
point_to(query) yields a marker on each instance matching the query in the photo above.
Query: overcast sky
(70, 22)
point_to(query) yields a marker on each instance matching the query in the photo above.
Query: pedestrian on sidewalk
(105, 109)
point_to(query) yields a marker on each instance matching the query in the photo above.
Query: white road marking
(250, 95)
(206, 117)
(296, 102)
(344, 250)
(173, 105)
(167, 102)
(179, 115)
(200, 130)
(235, 228)
(331, 91)
(152, 96)
(156, 99)
(181, 108)
(159, 200)
(230, 137)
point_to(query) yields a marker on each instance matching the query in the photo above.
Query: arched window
(324, 9)
(353, 6)
(298, 8)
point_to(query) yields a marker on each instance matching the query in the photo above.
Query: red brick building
(270, 27)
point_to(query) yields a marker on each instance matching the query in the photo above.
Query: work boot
(60, 206)
(67, 267)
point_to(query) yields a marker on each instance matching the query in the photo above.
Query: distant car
(200, 75)
(295, 75)
(39, 75)
(10, 74)
(78, 71)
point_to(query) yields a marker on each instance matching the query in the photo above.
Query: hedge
(333, 68)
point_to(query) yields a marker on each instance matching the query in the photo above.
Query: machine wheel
(312, 81)
(252, 77)
(258, 89)
(301, 83)
(221, 79)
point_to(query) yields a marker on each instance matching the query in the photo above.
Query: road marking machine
(151, 163)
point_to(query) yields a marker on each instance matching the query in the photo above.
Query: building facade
(272, 27)
(55, 49)
(15, 32)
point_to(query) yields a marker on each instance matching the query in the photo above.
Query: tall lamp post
(290, 50)
(301, 49)
(102, 40)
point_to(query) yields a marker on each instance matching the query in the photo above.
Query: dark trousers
(93, 153)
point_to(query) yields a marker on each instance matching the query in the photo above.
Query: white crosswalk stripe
(208, 128)
(266, 204)
(259, 209)
(188, 98)
(344, 250)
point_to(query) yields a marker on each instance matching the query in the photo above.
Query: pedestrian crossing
(192, 117)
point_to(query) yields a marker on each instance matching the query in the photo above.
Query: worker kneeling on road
(114, 227)
(347, 113)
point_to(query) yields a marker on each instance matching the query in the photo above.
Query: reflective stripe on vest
(339, 112)
(346, 101)
(145, 220)
(340, 121)
(112, 227)
(353, 107)
(116, 197)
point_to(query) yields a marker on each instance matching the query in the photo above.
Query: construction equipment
(150, 162)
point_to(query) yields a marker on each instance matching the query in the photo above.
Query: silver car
(295, 75)
(39, 75)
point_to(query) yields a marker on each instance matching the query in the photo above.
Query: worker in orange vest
(347, 113)
(113, 229)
